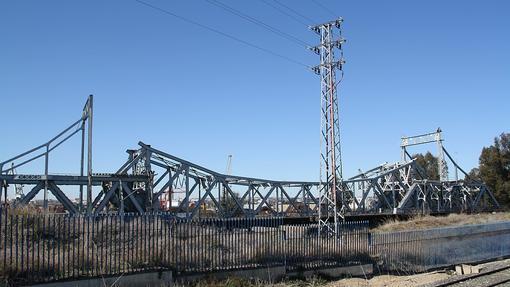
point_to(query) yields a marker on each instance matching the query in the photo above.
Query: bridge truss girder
(148, 174)
(228, 195)
(448, 196)
(389, 188)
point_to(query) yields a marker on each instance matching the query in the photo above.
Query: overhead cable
(268, 3)
(182, 18)
(258, 23)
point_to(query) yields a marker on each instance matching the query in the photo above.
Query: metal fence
(43, 248)
(420, 250)
(304, 249)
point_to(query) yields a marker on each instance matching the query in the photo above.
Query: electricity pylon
(333, 200)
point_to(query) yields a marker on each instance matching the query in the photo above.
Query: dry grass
(62, 247)
(23, 210)
(240, 282)
(88, 247)
(425, 222)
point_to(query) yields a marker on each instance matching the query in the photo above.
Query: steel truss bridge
(150, 174)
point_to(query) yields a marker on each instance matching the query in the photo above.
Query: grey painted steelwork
(150, 174)
(424, 139)
(44, 150)
(333, 199)
(389, 188)
(443, 195)
(17, 187)
(228, 195)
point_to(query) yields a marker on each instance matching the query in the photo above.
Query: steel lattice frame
(148, 173)
(434, 137)
(333, 200)
(83, 125)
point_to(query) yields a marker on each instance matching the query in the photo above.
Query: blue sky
(412, 66)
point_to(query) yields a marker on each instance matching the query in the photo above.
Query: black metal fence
(304, 249)
(420, 250)
(42, 248)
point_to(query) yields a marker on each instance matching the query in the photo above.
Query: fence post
(284, 248)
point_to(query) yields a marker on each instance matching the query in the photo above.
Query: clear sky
(412, 66)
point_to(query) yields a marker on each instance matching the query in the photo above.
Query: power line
(294, 11)
(325, 8)
(285, 13)
(258, 22)
(222, 33)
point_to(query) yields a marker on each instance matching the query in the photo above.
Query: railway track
(499, 276)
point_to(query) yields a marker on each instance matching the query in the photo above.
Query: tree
(475, 174)
(494, 168)
(429, 165)
(229, 206)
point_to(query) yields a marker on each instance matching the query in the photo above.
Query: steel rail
(474, 276)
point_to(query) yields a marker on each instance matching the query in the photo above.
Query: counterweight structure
(435, 137)
(332, 196)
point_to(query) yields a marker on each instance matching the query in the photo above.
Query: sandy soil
(390, 280)
(407, 281)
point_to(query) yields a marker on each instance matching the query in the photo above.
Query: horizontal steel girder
(150, 173)
(69, 179)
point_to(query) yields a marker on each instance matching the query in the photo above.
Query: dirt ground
(391, 280)
(378, 281)
(406, 281)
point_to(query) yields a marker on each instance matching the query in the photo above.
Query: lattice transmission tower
(333, 200)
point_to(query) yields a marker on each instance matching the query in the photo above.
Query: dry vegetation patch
(241, 282)
(424, 222)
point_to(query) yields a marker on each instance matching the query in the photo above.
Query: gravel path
(487, 280)
(432, 279)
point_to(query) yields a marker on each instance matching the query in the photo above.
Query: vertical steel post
(89, 154)
(187, 193)
(251, 203)
(403, 154)
(121, 197)
(46, 159)
(199, 197)
(148, 185)
(221, 199)
(4, 185)
(443, 166)
(82, 161)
